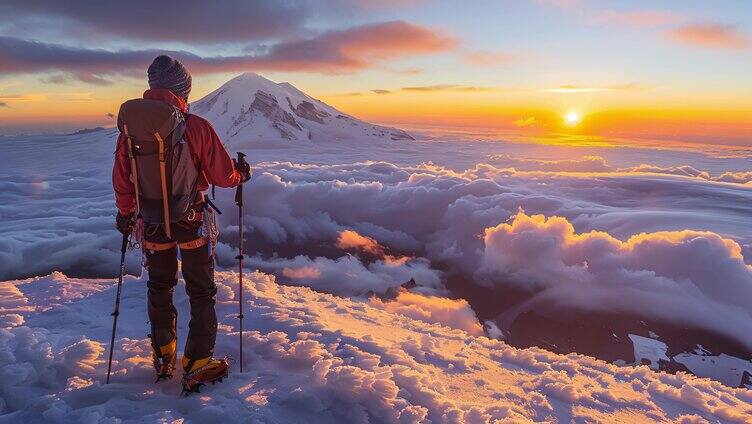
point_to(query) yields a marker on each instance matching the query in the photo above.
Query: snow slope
(314, 358)
(251, 110)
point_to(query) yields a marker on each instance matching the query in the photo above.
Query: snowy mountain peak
(247, 80)
(249, 75)
(250, 109)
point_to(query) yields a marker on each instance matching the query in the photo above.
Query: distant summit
(87, 131)
(251, 109)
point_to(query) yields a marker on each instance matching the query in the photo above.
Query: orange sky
(653, 113)
(543, 113)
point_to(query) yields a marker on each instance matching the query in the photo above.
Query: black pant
(198, 273)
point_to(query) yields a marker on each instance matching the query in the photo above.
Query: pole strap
(209, 204)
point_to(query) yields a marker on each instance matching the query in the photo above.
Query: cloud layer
(454, 313)
(681, 28)
(711, 35)
(353, 228)
(438, 214)
(334, 51)
(146, 20)
(690, 277)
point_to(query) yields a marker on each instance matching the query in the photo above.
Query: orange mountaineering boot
(199, 372)
(164, 359)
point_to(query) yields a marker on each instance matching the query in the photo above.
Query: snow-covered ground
(314, 358)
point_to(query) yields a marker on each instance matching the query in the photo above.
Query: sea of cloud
(588, 230)
(696, 278)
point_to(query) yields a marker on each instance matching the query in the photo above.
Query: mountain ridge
(251, 109)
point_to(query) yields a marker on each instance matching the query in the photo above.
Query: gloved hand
(125, 223)
(245, 170)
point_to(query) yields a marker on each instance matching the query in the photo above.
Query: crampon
(164, 361)
(214, 371)
(164, 372)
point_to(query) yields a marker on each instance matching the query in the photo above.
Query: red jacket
(216, 165)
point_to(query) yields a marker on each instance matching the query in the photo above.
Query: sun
(572, 118)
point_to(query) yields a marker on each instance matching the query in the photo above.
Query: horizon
(636, 71)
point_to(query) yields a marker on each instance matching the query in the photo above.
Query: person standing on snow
(165, 159)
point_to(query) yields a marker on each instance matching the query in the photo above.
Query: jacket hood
(166, 96)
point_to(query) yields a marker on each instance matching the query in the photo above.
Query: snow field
(315, 358)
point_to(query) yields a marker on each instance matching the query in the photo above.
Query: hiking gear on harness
(162, 169)
(116, 312)
(209, 229)
(239, 201)
(125, 223)
(202, 371)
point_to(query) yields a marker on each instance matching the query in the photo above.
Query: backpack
(162, 168)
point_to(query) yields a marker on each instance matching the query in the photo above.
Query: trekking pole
(239, 202)
(116, 312)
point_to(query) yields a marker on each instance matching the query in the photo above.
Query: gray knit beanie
(166, 72)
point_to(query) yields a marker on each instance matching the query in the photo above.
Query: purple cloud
(150, 20)
(338, 51)
(710, 36)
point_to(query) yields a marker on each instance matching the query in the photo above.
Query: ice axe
(116, 312)
(239, 202)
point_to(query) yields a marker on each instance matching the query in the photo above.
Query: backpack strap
(134, 168)
(167, 128)
(163, 178)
